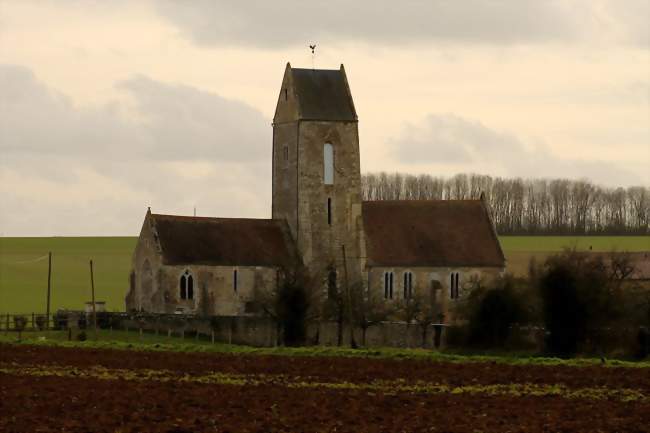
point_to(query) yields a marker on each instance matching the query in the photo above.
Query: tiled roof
(323, 94)
(223, 241)
(440, 233)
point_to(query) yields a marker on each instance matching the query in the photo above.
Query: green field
(23, 266)
(23, 272)
(540, 244)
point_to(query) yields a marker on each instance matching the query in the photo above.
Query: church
(213, 266)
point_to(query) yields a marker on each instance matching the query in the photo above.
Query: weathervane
(313, 54)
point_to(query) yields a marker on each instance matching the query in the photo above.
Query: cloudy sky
(109, 107)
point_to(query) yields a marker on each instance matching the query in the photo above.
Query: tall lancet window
(328, 164)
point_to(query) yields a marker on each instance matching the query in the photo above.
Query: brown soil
(48, 404)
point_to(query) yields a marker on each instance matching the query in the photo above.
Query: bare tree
(291, 303)
(368, 309)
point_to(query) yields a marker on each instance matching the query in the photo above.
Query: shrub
(60, 320)
(293, 306)
(20, 322)
(493, 312)
(578, 301)
(41, 322)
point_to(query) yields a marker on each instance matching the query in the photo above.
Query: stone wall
(263, 331)
(385, 334)
(285, 180)
(156, 286)
(422, 281)
(320, 240)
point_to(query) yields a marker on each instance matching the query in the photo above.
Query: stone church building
(212, 266)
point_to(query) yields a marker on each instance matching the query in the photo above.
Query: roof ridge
(206, 218)
(434, 200)
(314, 70)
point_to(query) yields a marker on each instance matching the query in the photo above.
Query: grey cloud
(67, 170)
(186, 123)
(290, 22)
(174, 123)
(450, 139)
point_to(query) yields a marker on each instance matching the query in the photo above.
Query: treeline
(527, 206)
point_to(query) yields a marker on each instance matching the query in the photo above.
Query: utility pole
(353, 343)
(92, 287)
(49, 287)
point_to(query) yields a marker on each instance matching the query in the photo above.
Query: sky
(107, 108)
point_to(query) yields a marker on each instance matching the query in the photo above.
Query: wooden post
(92, 288)
(49, 289)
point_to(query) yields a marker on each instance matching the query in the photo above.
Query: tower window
(286, 153)
(286, 94)
(328, 164)
(235, 281)
(329, 210)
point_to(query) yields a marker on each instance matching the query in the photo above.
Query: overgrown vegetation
(494, 310)
(587, 301)
(289, 303)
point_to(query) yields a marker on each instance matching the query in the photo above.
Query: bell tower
(316, 172)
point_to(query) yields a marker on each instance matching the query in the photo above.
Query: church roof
(437, 233)
(223, 241)
(323, 94)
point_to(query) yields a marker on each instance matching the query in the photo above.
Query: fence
(25, 322)
(252, 331)
(264, 332)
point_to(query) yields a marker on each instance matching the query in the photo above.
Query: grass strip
(120, 340)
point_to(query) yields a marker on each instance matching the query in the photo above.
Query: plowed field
(81, 390)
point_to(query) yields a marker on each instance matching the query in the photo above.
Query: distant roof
(223, 241)
(440, 233)
(323, 94)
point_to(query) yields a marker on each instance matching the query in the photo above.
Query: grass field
(23, 272)
(23, 266)
(511, 244)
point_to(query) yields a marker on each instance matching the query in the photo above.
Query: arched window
(328, 164)
(183, 287)
(408, 285)
(388, 285)
(187, 285)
